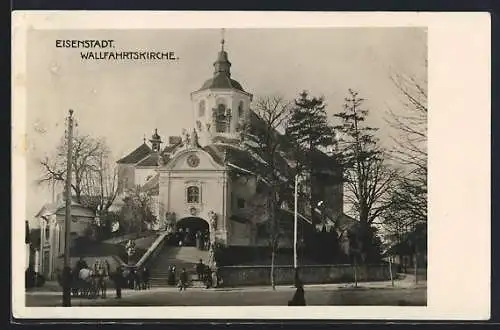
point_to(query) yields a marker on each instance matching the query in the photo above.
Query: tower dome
(222, 74)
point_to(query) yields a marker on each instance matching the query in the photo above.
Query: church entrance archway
(193, 231)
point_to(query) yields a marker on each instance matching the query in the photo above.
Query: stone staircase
(182, 257)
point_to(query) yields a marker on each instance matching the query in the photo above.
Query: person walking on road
(183, 279)
(118, 279)
(299, 296)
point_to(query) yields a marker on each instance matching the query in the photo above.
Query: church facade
(206, 179)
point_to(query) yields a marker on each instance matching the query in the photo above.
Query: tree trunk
(355, 273)
(390, 270)
(274, 235)
(415, 264)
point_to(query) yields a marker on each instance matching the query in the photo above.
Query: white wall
(141, 175)
(231, 98)
(208, 176)
(27, 251)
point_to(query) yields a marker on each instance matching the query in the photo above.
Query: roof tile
(137, 155)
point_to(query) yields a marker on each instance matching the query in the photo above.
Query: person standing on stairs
(200, 268)
(171, 275)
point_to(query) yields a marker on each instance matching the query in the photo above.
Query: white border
(459, 158)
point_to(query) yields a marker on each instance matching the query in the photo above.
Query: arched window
(240, 109)
(201, 108)
(193, 194)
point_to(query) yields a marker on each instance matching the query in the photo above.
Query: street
(254, 296)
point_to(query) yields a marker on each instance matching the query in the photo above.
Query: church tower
(221, 106)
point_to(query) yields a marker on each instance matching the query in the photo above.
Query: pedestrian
(198, 240)
(80, 264)
(173, 280)
(207, 274)
(66, 278)
(200, 267)
(214, 277)
(299, 296)
(118, 279)
(145, 278)
(206, 241)
(181, 236)
(183, 279)
(170, 279)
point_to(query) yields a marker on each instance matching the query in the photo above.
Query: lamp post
(66, 271)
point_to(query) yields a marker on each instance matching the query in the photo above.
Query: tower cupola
(222, 64)
(155, 141)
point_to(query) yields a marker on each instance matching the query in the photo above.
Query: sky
(124, 100)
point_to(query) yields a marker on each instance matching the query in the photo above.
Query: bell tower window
(240, 110)
(201, 108)
(155, 141)
(221, 118)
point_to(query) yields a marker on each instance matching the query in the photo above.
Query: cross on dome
(222, 39)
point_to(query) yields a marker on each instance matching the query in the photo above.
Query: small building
(52, 228)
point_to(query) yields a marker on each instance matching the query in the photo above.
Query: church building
(206, 178)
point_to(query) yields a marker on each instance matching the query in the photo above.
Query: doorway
(192, 231)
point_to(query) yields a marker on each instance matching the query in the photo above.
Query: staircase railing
(152, 251)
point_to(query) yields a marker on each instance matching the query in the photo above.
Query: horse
(101, 278)
(89, 282)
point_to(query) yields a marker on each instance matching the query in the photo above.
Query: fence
(312, 274)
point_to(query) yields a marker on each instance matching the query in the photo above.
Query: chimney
(174, 140)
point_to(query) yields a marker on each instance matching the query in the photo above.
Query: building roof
(137, 155)
(151, 160)
(55, 208)
(221, 81)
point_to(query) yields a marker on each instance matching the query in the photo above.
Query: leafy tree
(309, 131)
(136, 213)
(367, 177)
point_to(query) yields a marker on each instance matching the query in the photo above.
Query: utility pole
(295, 222)
(67, 221)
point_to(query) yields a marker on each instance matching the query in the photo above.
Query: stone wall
(314, 274)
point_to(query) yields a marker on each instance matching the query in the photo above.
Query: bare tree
(410, 123)
(410, 151)
(93, 183)
(264, 139)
